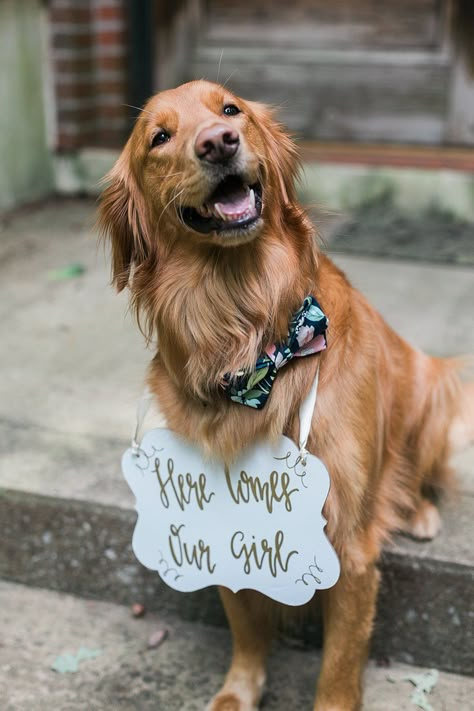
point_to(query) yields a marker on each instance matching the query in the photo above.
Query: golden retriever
(207, 232)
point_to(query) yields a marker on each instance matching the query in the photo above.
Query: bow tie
(306, 335)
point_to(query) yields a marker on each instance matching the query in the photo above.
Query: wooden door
(350, 70)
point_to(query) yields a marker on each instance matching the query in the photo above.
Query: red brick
(115, 111)
(111, 87)
(76, 115)
(63, 40)
(75, 65)
(76, 89)
(77, 15)
(117, 63)
(111, 37)
(109, 13)
(100, 117)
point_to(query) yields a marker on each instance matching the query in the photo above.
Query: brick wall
(89, 46)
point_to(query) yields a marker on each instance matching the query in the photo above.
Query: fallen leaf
(418, 698)
(69, 663)
(71, 271)
(424, 684)
(138, 610)
(157, 637)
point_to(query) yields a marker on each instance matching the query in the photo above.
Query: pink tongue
(231, 205)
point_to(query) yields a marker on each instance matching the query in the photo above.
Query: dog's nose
(217, 143)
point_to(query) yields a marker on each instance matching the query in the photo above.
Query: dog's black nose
(217, 143)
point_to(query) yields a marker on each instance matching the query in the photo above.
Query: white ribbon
(142, 409)
(307, 408)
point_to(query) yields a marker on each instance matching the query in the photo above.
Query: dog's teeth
(252, 198)
(218, 212)
(203, 210)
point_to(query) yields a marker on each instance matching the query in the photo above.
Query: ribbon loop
(307, 409)
(306, 335)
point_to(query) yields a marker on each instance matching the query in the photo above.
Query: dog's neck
(215, 309)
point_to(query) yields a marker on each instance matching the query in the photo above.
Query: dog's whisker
(138, 108)
(219, 66)
(174, 197)
(230, 77)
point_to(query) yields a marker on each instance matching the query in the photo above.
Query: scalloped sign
(256, 524)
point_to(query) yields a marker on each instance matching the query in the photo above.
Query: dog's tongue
(235, 200)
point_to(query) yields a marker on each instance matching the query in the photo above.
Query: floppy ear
(123, 219)
(282, 153)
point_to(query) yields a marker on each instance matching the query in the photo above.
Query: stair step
(425, 613)
(181, 674)
(72, 372)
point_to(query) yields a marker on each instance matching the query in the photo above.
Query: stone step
(82, 545)
(72, 370)
(182, 674)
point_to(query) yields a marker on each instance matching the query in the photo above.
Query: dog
(207, 232)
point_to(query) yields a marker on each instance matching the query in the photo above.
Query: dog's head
(201, 165)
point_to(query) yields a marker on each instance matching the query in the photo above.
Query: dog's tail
(447, 417)
(461, 431)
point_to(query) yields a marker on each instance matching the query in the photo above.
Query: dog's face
(201, 165)
(201, 150)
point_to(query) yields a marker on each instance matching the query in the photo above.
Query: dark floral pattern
(306, 335)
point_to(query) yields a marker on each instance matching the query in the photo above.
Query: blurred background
(358, 82)
(379, 96)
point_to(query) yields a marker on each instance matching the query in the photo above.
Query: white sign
(257, 524)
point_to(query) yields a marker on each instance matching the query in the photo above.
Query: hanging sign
(256, 523)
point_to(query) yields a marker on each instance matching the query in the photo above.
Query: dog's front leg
(348, 613)
(251, 637)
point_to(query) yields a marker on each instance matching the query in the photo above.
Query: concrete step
(72, 369)
(81, 544)
(182, 674)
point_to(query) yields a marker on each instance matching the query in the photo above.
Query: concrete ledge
(181, 675)
(334, 185)
(81, 172)
(345, 187)
(425, 609)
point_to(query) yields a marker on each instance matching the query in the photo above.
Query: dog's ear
(123, 219)
(282, 160)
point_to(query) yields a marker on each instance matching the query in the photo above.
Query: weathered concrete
(71, 358)
(73, 362)
(345, 187)
(426, 613)
(333, 186)
(72, 369)
(180, 675)
(26, 166)
(380, 230)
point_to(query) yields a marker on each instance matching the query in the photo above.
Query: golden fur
(384, 409)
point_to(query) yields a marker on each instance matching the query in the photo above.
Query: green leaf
(69, 663)
(65, 273)
(248, 394)
(257, 376)
(424, 682)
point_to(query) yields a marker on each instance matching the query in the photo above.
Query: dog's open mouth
(233, 205)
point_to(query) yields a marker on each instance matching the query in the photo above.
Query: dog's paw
(425, 523)
(229, 701)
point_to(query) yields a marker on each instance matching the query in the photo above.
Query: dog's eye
(231, 110)
(159, 138)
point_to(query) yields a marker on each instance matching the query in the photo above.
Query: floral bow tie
(306, 335)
